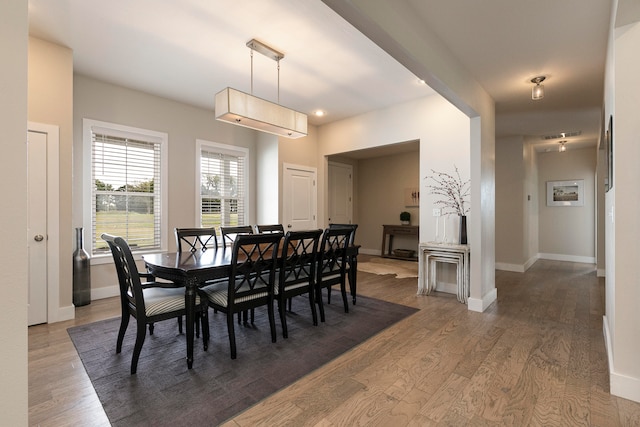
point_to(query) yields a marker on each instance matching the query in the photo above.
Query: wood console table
(432, 253)
(396, 230)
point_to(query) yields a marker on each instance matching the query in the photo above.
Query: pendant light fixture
(537, 92)
(243, 109)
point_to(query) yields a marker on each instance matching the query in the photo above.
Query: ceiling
(188, 50)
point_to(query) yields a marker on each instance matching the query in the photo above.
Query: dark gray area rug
(165, 392)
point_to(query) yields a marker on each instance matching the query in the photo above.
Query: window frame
(224, 149)
(89, 126)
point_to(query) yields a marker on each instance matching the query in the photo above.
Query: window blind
(126, 191)
(222, 188)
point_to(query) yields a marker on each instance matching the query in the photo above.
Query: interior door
(37, 226)
(299, 194)
(340, 193)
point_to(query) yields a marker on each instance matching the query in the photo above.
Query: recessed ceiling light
(422, 82)
(319, 113)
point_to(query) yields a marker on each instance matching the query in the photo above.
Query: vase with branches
(452, 196)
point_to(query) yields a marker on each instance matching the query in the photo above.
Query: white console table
(432, 253)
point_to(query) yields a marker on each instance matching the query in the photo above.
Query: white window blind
(126, 194)
(222, 187)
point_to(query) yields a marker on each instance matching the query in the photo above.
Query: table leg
(190, 308)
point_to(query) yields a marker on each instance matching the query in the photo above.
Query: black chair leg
(312, 303)
(124, 322)
(283, 317)
(151, 328)
(319, 302)
(344, 297)
(138, 346)
(204, 317)
(272, 321)
(180, 324)
(232, 335)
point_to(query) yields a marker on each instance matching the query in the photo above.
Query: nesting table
(434, 252)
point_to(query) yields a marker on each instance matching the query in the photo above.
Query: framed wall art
(565, 193)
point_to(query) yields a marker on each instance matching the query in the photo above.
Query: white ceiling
(188, 50)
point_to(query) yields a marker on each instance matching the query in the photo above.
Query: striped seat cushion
(218, 294)
(164, 300)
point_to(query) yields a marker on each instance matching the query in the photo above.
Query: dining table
(190, 269)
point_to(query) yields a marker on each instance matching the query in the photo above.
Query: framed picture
(411, 197)
(565, 193)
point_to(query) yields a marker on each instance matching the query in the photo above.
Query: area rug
(402, 269)
(165, 392)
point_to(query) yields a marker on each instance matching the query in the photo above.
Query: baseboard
(105, 292)
(64, 313)
(570, 258)
(516, 268)
(619, 385)
(376, 252)
(480, 305)
(530, 262)
(600, 272)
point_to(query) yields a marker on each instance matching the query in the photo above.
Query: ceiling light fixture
(319, 113)
(537, 92)
(243, 109)
(562, 147)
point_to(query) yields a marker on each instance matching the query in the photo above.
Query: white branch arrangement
(454, 191)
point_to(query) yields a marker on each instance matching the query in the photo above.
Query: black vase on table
(81, 272)
(462, 239)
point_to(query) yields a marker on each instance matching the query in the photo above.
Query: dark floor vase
(81, 273)
(463, 230)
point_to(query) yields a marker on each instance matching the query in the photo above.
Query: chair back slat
(299, 256)
(270, 228)
(196, 239)
(333, 249)
(229, 234)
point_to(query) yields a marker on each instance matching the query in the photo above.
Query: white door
(37, 226)
(340, 193)
(299, 195)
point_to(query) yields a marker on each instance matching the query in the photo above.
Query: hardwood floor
(535, 357)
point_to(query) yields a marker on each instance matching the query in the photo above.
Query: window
(222, 195)
(127, 187)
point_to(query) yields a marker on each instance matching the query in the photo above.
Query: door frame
(53, 216)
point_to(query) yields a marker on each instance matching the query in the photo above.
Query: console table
(432, 253)
(396, 230)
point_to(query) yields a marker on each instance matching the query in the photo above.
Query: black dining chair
(297, 269)
(195, 239)
(332, 265)
(352, 258)
(270, 228)
(229, 234)
(251, 282)
(147, 303)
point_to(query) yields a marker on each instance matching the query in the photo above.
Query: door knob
(38, 237)
(288, 225)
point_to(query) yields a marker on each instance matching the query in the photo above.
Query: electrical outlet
(437, 212)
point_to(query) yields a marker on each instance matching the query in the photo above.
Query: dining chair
(297, 269)
(251, 281)
(229, 234)
(352, 258)
(332, 265)
(195, 239)
(270, 228)
(148, 303)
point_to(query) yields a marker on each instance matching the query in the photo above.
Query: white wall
(510, 213)
(184, 124)
(567, 233)
(51, 102)
(381, 184)
(622, 228)
(13, 255)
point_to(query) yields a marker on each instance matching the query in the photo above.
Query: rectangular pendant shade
(239, 108)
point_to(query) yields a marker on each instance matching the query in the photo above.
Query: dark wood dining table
(190, 269)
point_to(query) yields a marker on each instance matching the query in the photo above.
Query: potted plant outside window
(405, 218)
